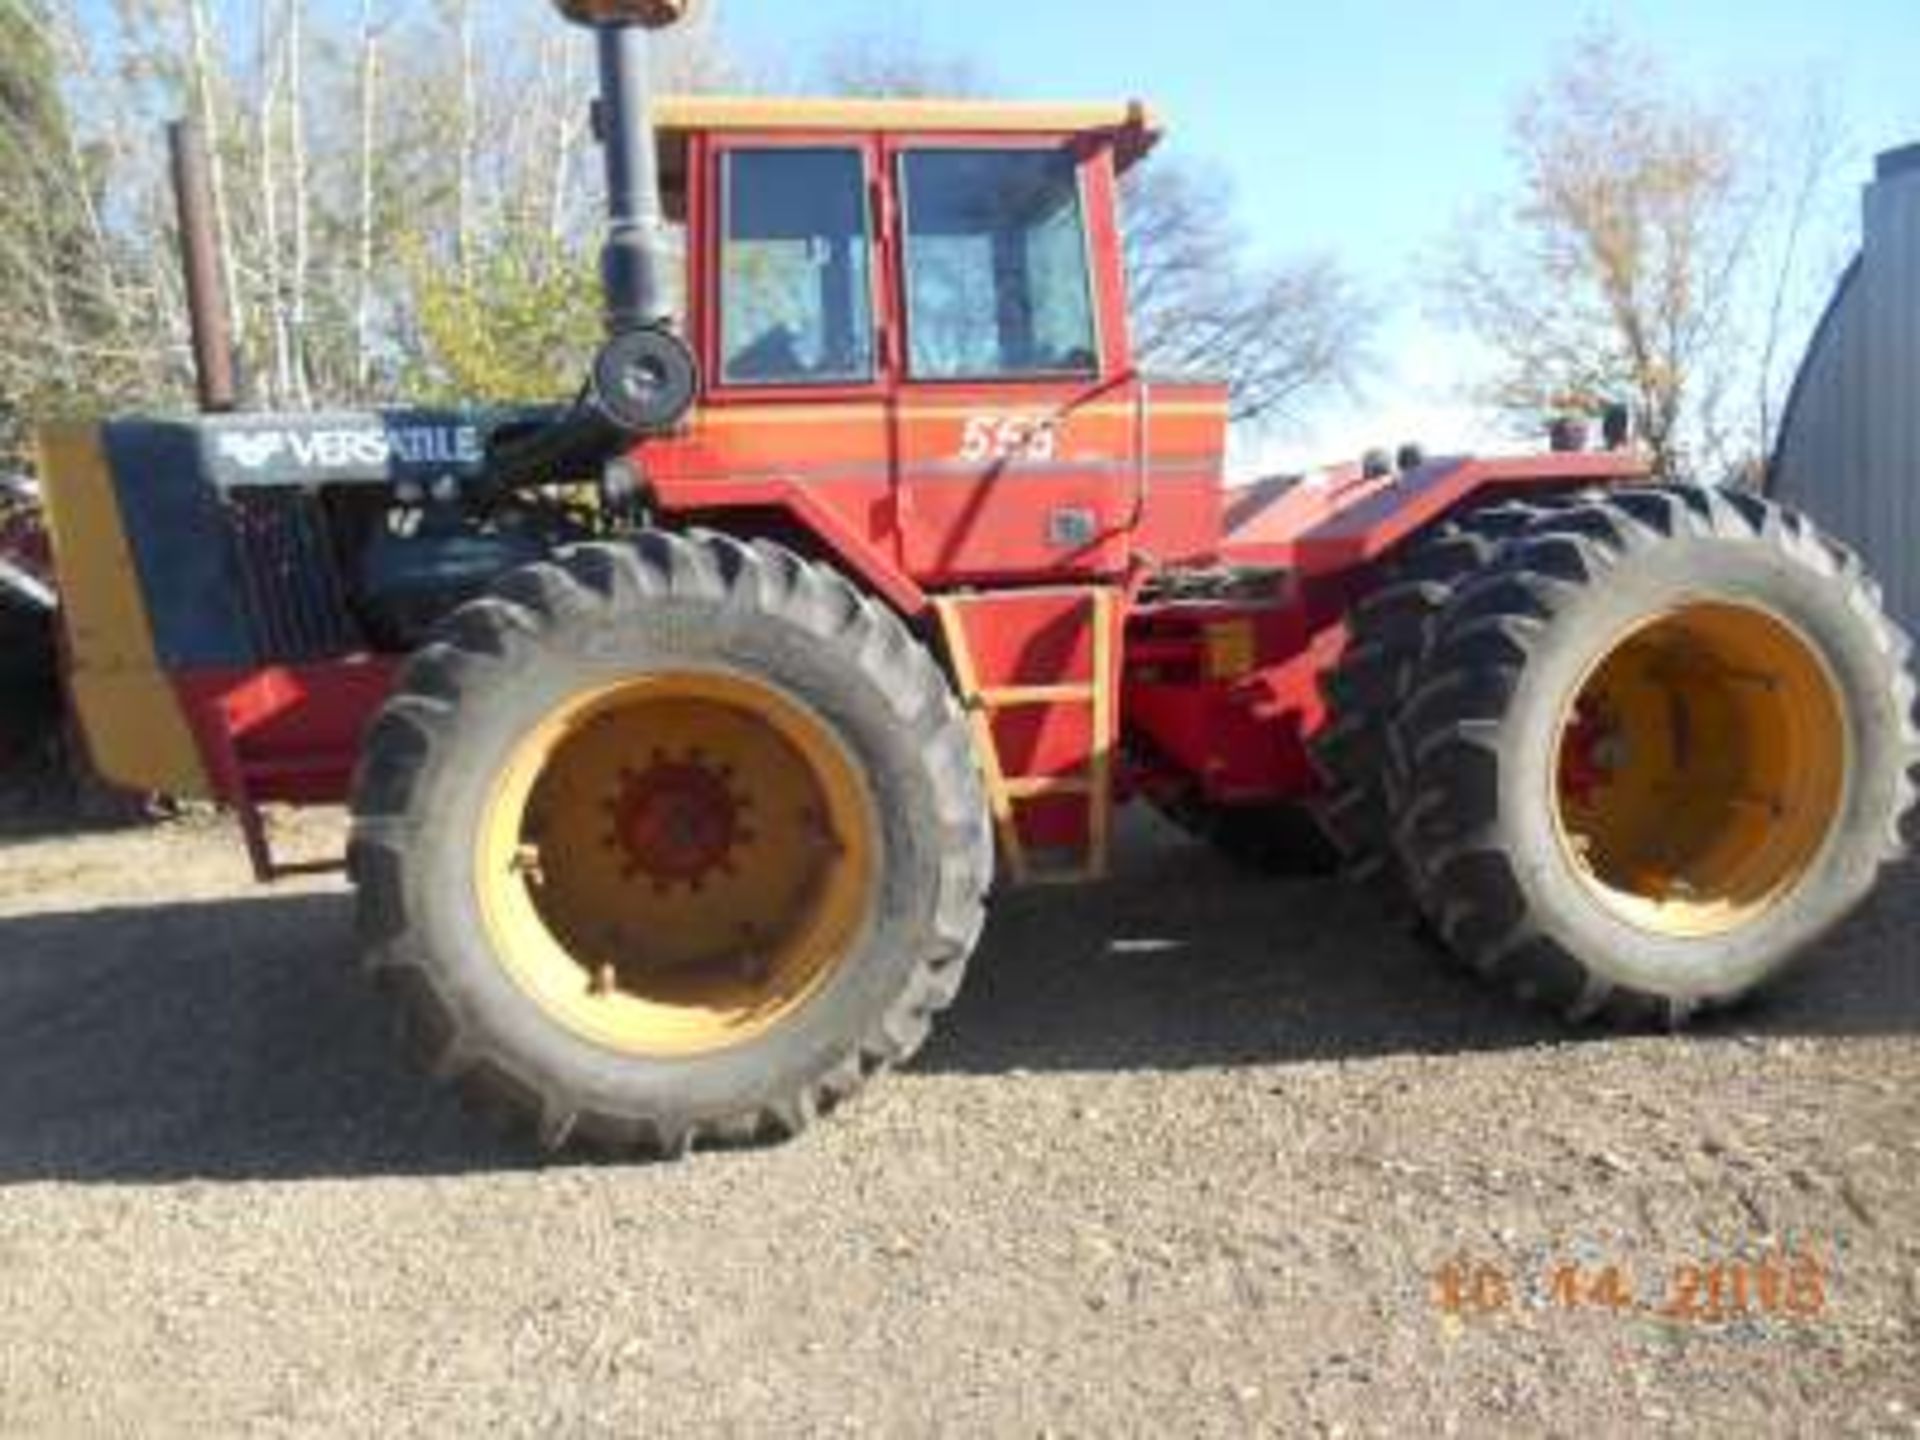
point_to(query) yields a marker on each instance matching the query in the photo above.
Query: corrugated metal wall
(1850, 446)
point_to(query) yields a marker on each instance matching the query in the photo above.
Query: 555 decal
(996, 437)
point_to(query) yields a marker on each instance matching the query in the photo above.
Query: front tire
(1655, 754)
(669, 842)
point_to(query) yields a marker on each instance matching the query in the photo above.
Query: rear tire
(524, 983)
(1655, 754)
(1390, 631)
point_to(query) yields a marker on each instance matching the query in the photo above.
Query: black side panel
(177, 531)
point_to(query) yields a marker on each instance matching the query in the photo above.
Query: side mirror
(647, 14)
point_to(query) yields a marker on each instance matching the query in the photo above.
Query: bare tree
(207, 110)
(367, 178)
(80, 308)
(1623, 265)
(889, 63)
(299, 179)
(1284, 332)
(566, 132)
(1800, 172)
(272, 71)
(467, 135)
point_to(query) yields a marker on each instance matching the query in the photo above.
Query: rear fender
(1322, 530)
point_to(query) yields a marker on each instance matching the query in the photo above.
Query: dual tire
(1629, 756)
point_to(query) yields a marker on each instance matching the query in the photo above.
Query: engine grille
(295, 595)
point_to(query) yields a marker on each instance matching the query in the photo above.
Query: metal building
(1849, 451)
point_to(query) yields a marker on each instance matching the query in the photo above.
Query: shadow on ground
(50, 796)
(233, 1039)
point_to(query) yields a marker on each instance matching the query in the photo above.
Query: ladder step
(1091, 785)
(289, 768)
(1007, 696)
(1040, 787)
(1079, 876)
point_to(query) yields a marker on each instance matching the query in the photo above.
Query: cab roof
(1129, 125)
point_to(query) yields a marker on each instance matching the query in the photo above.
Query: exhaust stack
(645, 379)
(630, 263)
(213, 365)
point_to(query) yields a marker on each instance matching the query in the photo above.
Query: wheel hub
(678, 822)
(672, 865)
(1592, 753)
(1702, 768)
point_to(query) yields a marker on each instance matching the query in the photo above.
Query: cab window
(796, 304)
(996, 258)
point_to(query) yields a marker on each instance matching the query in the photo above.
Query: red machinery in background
(29, 678)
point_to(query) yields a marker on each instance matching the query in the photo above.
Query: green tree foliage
(518, 323)
(407, 193)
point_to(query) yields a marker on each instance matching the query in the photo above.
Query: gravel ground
(1194, 1154)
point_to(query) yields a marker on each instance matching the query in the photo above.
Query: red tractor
(687, 728)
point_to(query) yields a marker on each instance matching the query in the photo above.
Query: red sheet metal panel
(285, 733)
(1237, 736)
(1320, 529)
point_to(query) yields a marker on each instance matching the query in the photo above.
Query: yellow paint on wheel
(674, 865)
(1702, 769)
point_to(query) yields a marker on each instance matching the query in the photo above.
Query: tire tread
(475, 649)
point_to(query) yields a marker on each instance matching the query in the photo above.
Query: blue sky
(1360, 128)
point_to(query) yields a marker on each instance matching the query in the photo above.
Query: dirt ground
(1195, 1154)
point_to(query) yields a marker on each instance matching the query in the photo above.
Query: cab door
(795, 392)
(1016, 424)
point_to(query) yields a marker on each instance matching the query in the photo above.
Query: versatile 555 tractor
(687, 728)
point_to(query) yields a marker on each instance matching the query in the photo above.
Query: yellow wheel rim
(672, 866)
(1702, 768)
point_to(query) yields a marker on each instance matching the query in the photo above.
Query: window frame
(905, 150)
(718, 172)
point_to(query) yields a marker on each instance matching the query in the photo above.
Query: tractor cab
(911, 324)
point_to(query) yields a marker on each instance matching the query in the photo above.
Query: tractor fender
(1397, 509)
(1326, 529)
(837, 538)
